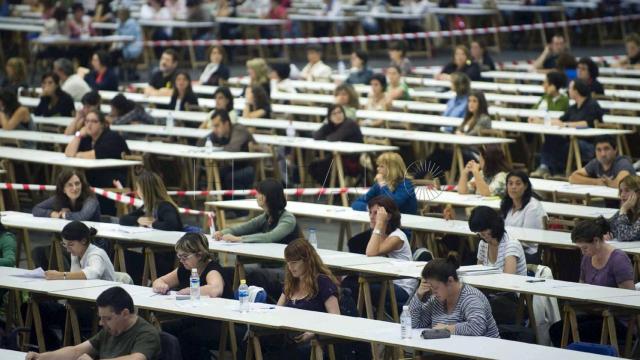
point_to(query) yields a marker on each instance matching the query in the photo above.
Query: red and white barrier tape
(389, 37)
(253, 192)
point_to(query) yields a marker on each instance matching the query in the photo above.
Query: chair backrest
(552, 223)
(422, 254)
(169, 347)
(592, 348)
(123, 277)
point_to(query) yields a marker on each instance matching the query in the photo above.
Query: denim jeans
(555, 150)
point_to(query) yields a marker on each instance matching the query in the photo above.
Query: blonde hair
(301, 250)
(19, 69)
(632, 182)
(195, 243)
(396, 169)
(259, 66)
(153, 191)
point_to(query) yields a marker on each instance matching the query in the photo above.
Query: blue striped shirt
(471, 315)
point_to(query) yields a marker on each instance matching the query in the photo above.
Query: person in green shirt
(124, 335)
(7, 247)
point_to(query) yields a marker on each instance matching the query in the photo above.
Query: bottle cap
(243, 281)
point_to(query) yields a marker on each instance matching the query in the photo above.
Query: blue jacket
(456, 107)
(131, 28)
(404, 196)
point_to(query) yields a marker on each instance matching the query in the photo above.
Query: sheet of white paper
(35, 274)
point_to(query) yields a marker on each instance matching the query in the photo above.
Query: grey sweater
(90, 210)
(257, 230)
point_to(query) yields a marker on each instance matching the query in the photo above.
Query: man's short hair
(314, 47)
(582, 87)
(91, 98)
(223, 114)
(557, 79)
(362, 55)
(606, 139)
(117, 298)
(398, 46)
(172, 53)
(65, 65)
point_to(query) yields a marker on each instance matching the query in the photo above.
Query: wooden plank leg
(532, 318)
(382, 297)
(222, 343)
(394, 301)
(570, 155)
(341, 180)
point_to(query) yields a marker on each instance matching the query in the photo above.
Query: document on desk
(33, 274)
(134, 229)
(478, 270)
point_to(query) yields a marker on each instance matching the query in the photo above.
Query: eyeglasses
(184, 257)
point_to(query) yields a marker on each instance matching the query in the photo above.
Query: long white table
(12, 355)
(59, 159)
(538, 77)
(565, 188)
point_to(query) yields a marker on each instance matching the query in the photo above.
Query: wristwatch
(78, 134)
(377, 232)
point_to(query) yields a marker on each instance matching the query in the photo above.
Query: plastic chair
(593, 348)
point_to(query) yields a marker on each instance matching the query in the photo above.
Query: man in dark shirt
(607, 168)
(123, 334)
(588, 71)
(161, 82)
(547, 59)
(632, 60)
(233, 138)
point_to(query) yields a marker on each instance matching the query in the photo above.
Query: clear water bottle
(243, 296)
(170, 122)
(341, 67)
(405, 323)
(547, 118)
(313, 238)
(208, 145)
(291, 131)
(194, 285)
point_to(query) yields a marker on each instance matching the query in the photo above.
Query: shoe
(540, 172)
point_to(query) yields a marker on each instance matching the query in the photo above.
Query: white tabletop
(9, 280)
(158, 130)
(12, 355)
(193, 152)
(563, 187)
(539, 77)
(82, 41)
(250, 21)
(59, 159)
(524, 127)
(333, 146)
(183, 24)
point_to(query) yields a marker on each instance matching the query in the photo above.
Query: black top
(596, 87)
(109, 80)
(190, 99)
(590, 111)
(326, 289)
(165, 217)
(487, 63)
(64, 106)
(635, 60)
(267, 110)
(348, 131)
(550, 62)
(159, 81)
(110, 145)
(184, 276)
(471, 69)
(222, 73)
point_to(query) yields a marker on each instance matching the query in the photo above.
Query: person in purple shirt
(602, 265)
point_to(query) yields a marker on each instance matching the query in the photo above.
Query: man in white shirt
(71, 83)
(315, 70)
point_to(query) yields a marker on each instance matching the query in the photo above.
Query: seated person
(583, 113)
(457, 105)
(462, 62)
(131, 51)
(588, 71)
(54, 101)
(123, 333)
(303, 291)
(480, 56)
(521, 208)
(397, 88)
(607, 168)
(102, 76)
(376, 100)
(359, 72)
(192, 250)
(275, 225)
(398, 57)
(258, 72)
(496, 248)
(632, 45)
(96, 141)
(162, 78)
(127, 112)
(602, 265)
(489, 173)
(625, 224)
(90, 101)
(567, 64)
(80, 23)
(279, 76)
(315, 70)
(15, 75)
(224, 101)
(547, 59)
(392, 181)
(347, 96)
(183, 96)
(12, 114)
(7, 248)
(233, 138)
(338, 127)
(257, 104)
(442, 301)
(74, 199)
(70, 82)
(216, 72)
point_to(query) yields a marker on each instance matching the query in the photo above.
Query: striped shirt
(507, 247)
(471, 316)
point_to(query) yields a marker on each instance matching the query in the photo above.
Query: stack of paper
(471, 270)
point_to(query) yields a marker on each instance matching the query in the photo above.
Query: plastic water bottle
(405, 323)
(341, 67)
(291, 131)
(243, 296)
(194, 285)
(313, 239)
(170, 122)
(208, 145)
(547, 118)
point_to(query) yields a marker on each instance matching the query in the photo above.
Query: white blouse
(95, 264)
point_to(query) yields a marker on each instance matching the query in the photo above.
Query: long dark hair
(274, 198)
(494, 160)
(9, 101)
(586, 231)
(189, 91)
(260, 98)
(483, 109)
(391, 208)
(61, 199)
(507, 203)
(227, 94)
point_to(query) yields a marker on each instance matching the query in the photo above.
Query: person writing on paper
(489, 173)
(308, 285)
(124, 334)
(625, 224)
(442, 301)
(275, 225)
(192, 250)
(521, 208)
(603, 265)
(607, 168)
(496, 247)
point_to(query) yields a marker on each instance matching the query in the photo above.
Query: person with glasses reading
(192, 250)
(496, 248)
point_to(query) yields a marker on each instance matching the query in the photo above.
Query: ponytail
(442, 269)
(586, 231)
